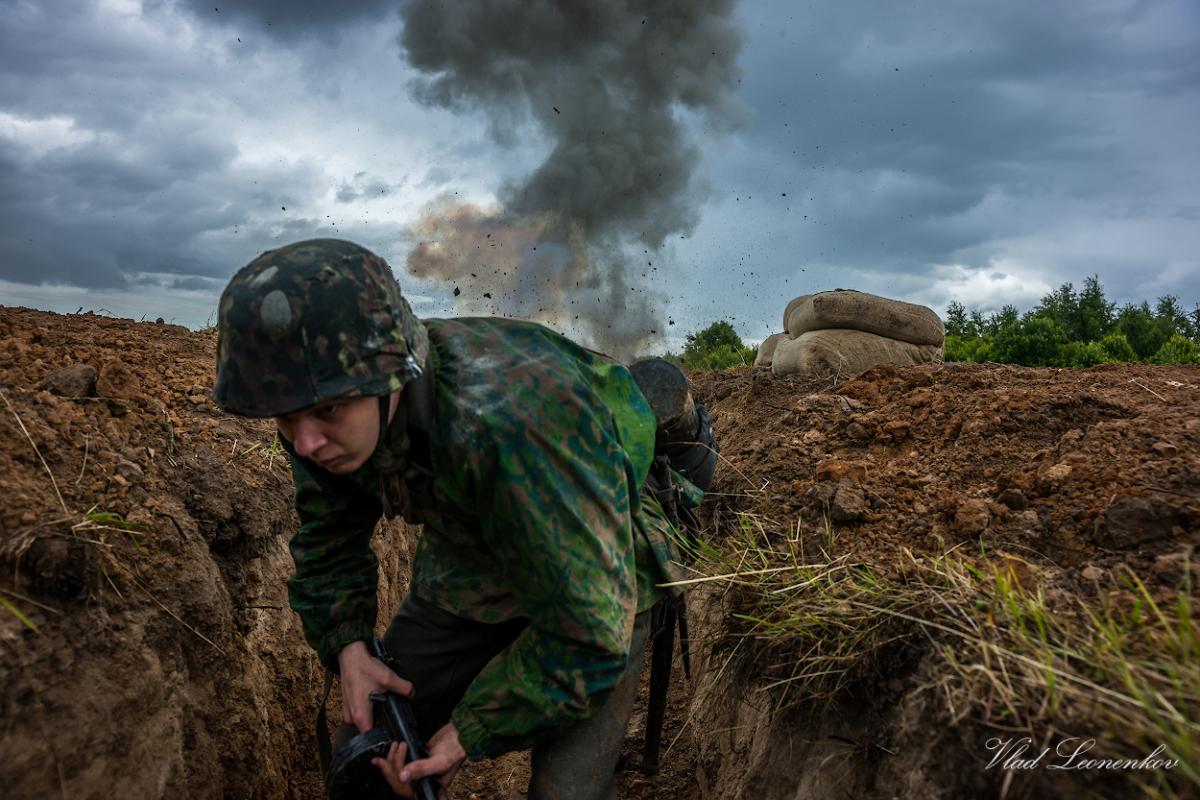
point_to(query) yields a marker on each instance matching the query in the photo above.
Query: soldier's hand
(362, 674)
(445, 757)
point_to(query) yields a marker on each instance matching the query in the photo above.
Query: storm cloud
(930, 151)
(937, 151)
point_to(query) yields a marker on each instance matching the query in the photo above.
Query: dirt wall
(1074, 479)
(166, 662)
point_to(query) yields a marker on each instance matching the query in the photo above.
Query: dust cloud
(607, 83)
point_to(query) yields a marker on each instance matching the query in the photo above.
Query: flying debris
(620, 168)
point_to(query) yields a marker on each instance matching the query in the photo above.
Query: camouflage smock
(533, 506)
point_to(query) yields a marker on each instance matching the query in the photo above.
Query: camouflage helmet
(311, 322)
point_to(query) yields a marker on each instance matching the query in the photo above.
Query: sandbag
(846, 308)
(843, 352)
(767, 349)
(790, 306)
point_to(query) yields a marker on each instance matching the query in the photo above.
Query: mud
(153, 562)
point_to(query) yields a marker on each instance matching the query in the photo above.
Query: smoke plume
(606, 82)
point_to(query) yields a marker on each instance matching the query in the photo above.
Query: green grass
(272, 454)
(1120, 663)
(7, 605)
(96, 520)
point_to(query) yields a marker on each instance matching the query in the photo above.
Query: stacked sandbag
(767, 349)
(844, 332)
(841, 352)
(846, 308)
(791, 306)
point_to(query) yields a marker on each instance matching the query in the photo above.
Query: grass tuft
(1017, 651)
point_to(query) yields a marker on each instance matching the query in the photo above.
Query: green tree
(1007, 315)
(1140, 327)
(1082, 354)
(1117, 349)
(716, 347)
(1170, 316)
(967, 348)
(956, 319)
(1062, 306)
(1095, 313)
(1034, 341)
(1178, 350)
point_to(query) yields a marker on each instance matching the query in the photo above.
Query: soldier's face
(339, 436)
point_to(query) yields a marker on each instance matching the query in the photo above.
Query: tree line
(1070, 328)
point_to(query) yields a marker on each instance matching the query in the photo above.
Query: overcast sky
(936, 150)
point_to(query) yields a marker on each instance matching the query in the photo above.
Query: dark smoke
(606, 81)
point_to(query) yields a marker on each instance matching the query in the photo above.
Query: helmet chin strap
(385, 401)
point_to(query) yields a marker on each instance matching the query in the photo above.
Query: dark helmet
(311, 322)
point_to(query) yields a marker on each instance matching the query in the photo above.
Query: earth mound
(914, 566)
(148, 649)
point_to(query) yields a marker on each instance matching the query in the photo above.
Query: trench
(147, 648)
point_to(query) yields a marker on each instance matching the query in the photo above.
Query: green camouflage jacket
(533, 505)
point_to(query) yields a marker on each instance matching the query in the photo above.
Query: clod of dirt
(972, 516)
(842, 501)
(1012, 498)
(833, 469)
(77, 380)
(1133, 520)
(1165, 449)
(1051, 477)
(129, 471)
(118, 379)
(856, 430)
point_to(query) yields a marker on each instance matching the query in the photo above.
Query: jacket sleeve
(333, 588)
(557, 511)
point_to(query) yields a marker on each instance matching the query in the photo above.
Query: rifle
(402, 727)
(349, 773)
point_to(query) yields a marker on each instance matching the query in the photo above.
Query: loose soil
(1071, 478)
(153, 562)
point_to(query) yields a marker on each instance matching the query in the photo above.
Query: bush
(1146, 334)
(1083, 354)
(1034, 341)
(1117, 349)
(968, 348)
(1177, 350)
(716, 347)
(1075, 329)
(722, 357)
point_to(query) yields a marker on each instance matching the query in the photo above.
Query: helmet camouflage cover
(311, 322)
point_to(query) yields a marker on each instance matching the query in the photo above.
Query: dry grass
(272, 455)
(1119, 663)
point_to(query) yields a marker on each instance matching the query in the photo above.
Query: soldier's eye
(327, 411)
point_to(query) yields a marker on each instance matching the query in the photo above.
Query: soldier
(525, 458)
